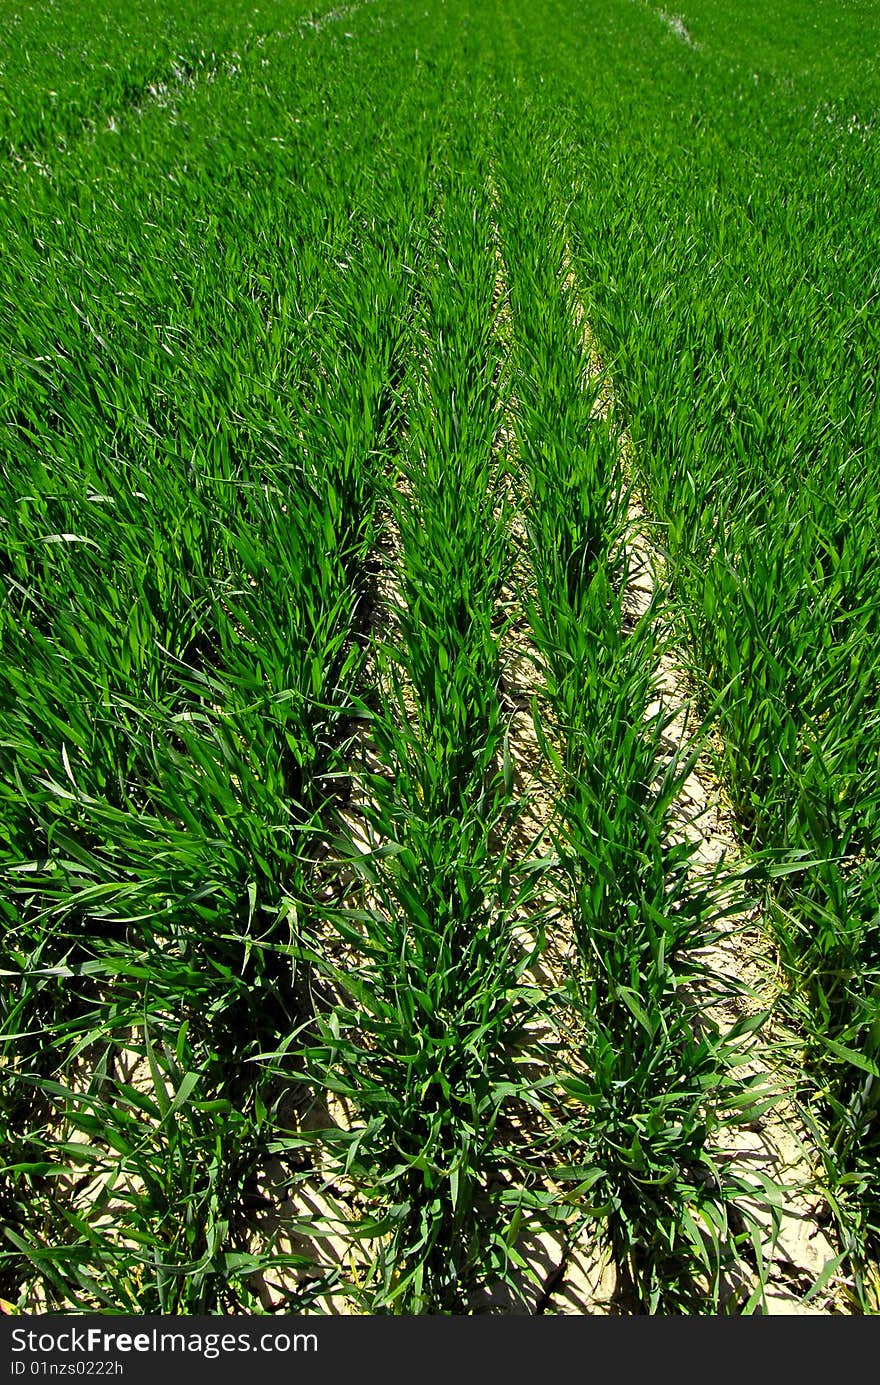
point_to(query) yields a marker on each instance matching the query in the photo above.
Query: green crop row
(421, 1046)
(196, 404)
(724, 234)
(645, 1081)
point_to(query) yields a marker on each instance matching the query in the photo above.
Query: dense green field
(313, 999)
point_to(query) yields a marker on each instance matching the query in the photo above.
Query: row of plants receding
(647, 1080)
(197, 410)
(723, 232)
(421, 1044)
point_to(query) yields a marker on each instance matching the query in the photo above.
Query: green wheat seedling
(189, 513)
(736, 322)
(648, 1084)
